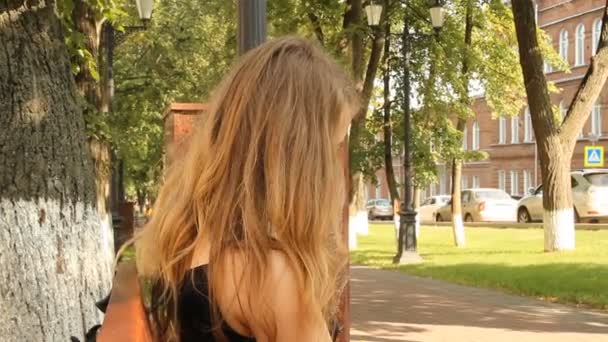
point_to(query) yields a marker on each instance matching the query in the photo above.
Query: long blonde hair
(262, 173)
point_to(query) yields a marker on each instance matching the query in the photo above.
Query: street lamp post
(407, 245)
(251, 25)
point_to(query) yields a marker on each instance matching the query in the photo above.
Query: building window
(579, 45)
(547, 65)
(562, 110)
(527, 126)
(527, 180)
(515, 130)
(464, 182)
(464, 138)
(476, 183)
(379, 189)
(475, 135)
(597, 31)
(501, 180)
(563, 45)
(514, 183)
(596, 120)
(502, 130)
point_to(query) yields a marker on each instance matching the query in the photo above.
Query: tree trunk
(387, 124)
(365, 86)
(416, 206)
(53, 264)
(457, 224)
(556, 143)
(141, 200)
(88, 23)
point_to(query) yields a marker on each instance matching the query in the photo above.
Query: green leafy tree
(180, 57)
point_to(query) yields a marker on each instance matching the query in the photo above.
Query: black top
(194, 310)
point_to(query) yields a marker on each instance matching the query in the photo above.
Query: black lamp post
(252, 24)
(407, 245)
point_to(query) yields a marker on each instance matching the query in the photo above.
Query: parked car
(482, 205)
(379, 208)
(428, 210)
(589, 196)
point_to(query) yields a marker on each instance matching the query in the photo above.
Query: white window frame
(379, 189)
(514, 183)
(476, 182)
(465, 138)
(527, 176)
(514, 129)
(502, 180)
(502, 130)
(596, 120)
(528, 131)
(579, 44)
(563, 45)
(475, 146)
(547, 67)
(464, 182)
(595, 38)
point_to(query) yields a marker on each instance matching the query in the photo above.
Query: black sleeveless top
(194, 310)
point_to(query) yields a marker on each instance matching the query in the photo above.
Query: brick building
(574, 28)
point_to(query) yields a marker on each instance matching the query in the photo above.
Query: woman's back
(262, 187)
(194, 310)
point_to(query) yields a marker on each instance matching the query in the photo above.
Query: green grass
(508, 259)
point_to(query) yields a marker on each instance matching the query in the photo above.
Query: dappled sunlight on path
(392, 306)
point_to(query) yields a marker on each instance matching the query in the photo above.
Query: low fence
(507, 225)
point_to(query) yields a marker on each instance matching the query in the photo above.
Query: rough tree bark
(88, 22)
(457, 224)
(387, 124)
(53, 264)
(556, 141)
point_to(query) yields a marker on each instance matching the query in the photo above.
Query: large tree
(556, 139)
(53, 262)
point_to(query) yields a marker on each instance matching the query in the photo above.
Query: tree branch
(316, 24)
(590, 88)
(531, 61)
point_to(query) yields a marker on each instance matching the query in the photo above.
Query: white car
(428, 210)
(482, 205)
(589, 196)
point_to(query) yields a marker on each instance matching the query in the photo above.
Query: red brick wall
(180, 120)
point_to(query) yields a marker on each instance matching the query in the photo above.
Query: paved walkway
(391, 306)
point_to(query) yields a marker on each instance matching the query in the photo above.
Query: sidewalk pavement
(389, 306)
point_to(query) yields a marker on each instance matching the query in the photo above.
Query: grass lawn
(509, 259)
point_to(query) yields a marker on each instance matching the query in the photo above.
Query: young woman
(244, 243)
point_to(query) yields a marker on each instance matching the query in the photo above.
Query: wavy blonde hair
(262, 173)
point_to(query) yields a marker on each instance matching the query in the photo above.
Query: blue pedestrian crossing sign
(594, 156)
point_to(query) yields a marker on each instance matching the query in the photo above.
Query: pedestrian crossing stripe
(594, 156)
